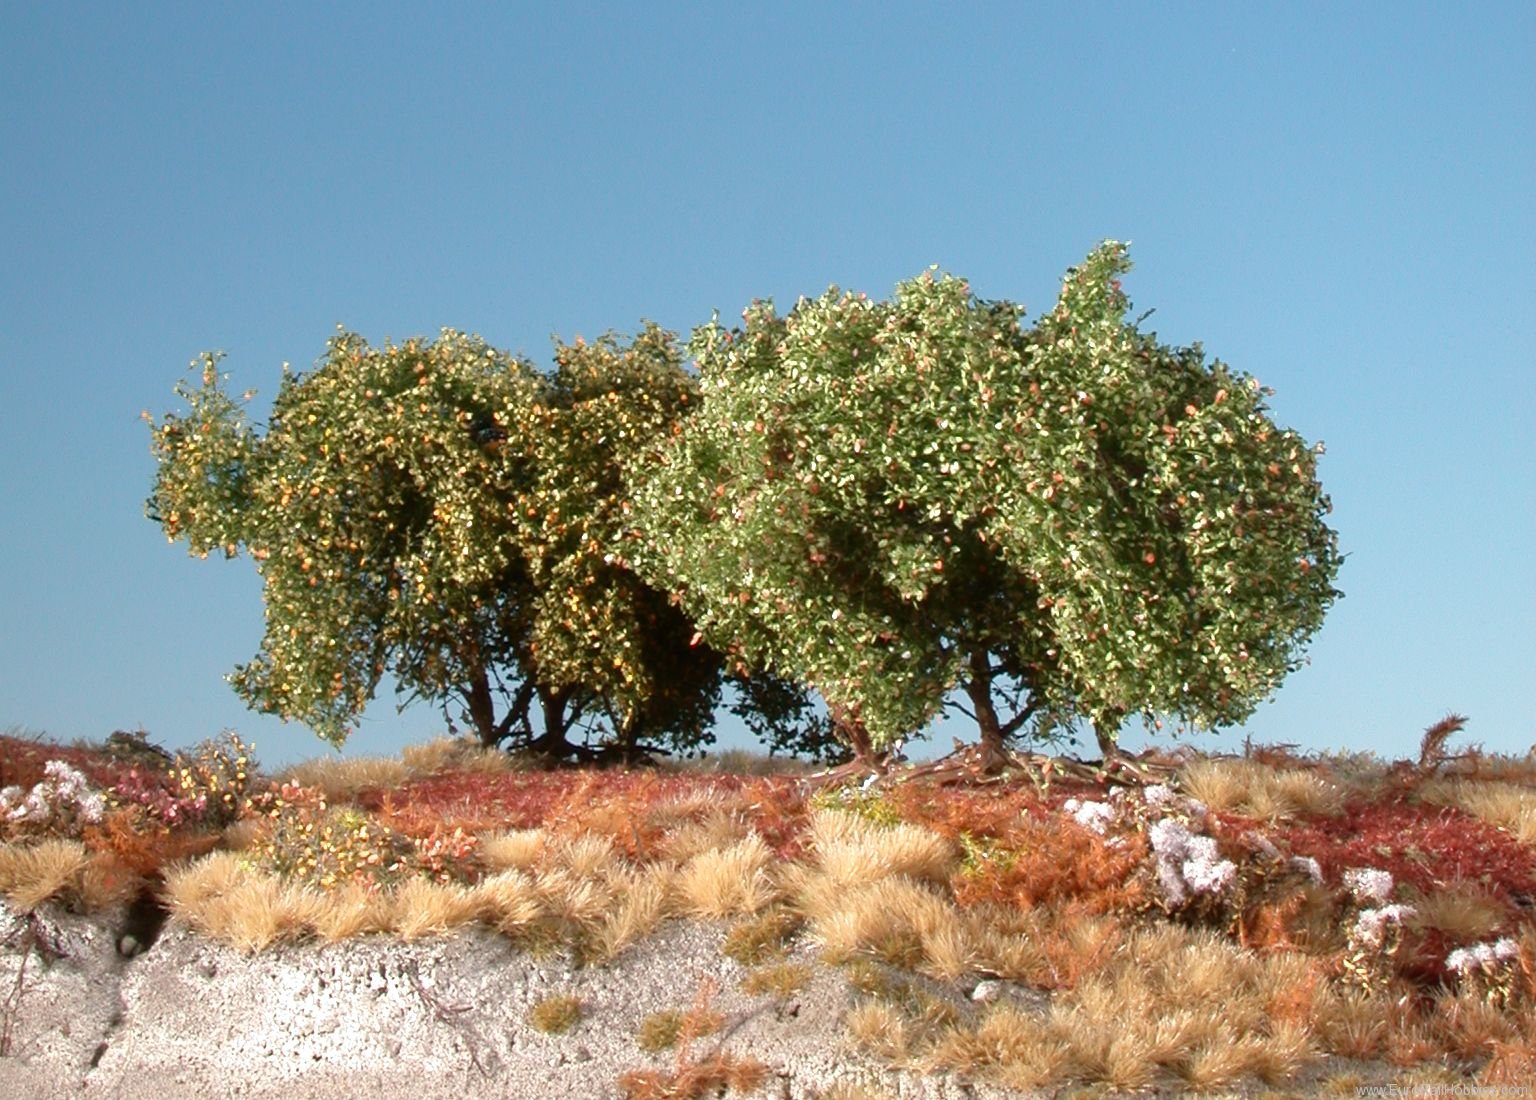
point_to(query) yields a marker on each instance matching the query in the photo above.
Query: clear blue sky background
(1337, 198)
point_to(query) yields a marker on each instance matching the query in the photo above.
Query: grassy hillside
(1180, 921)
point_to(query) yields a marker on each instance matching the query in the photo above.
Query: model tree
(442, 512)
(892, 500)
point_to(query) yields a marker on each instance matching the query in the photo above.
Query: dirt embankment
(440, 1018)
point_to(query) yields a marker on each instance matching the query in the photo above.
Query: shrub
(61, 804)
(556, 1015)
(309, 840)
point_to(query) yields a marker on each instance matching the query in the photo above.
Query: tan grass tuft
(31, 874)
(430, 756)
(890, 919)
(1503, 805)
(1006, 1043)
(421, 907)
(878, 1028)
(340, 778)
(1464, 912)
(1351, 1023)
(729, 881)
(1258, 790)
(644, 901)
(718, 828)
(776, 980)
(509, 901)
(351, 909)
(587, 856)
(852, 850)
(519, 849)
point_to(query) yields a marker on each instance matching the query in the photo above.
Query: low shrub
(556, 1015)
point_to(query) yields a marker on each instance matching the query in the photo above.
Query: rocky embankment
(182, 1017)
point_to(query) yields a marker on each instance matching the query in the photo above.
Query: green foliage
(378, 512)
(327, 846)
(215, 778)
(442, 512)
(887, 500)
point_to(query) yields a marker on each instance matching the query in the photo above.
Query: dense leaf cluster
(887, 500)
(882, 501)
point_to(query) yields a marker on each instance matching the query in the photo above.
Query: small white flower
(1370, 928)
(1169, 837)
(1158, 795)
(1310, 866)
(1368, 884)
(1172, 882)
(1098, 816)
(1482, 956)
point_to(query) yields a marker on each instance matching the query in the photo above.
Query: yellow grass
(1258, 790)
(31, 874)
(508, 901)
(730, 881)
(644, 899)
(517, 849)
(1504, 805)
(351, 910)
(421, 907)
(852, 850)
(340, 778)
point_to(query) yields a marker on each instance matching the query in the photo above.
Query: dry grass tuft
(1503, 805)
(352, 909)
(508, 901)
(852, 850)
(763, 936)
(879, 1028)
(431, 756)
(729, 881)
(1258, 790)
(556, 1015)
(855, 1090)
(893, 919)
(664, 1030)
(777, 980)
(685, 838)
(693, 1080)
(31, 874)
(420, 907)
(1464, 912)
(519, 849)
(341, 778)
(644, 900)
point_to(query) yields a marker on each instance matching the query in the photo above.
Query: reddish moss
(1430, 847)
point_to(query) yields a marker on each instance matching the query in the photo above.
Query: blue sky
(1335, 198)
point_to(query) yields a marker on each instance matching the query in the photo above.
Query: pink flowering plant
(61, 804)
(210, 785)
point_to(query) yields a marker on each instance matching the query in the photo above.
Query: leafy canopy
(441, 511)
(887, 500)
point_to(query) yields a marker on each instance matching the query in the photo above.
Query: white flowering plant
(1192, 870)
(1376, 934)
(1491, 969)
(61, 804)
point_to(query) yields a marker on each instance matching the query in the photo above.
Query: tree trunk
(979, 687)
(852, 733)
(482, 709)
(552, 742)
